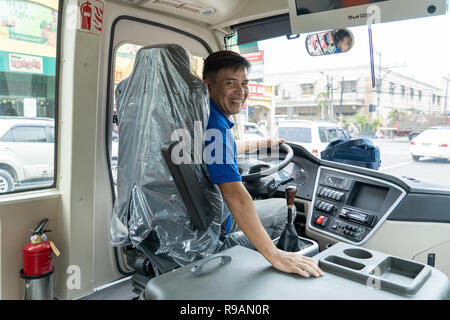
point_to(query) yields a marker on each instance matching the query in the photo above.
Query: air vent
(184, 6)
(191, 8)
(171, 3)
(132, 1)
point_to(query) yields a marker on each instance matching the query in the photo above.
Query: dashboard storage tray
(240, 273)
(375, 269)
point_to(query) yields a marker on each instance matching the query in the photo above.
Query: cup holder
(358, 253)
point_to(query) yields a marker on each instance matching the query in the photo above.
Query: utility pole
(328, 97)
(446, 93)
(331, 110)
(378, 85)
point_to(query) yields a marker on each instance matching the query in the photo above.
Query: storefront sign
(255, 89)
(28, 21)
(256, 60)
(254, 56)
(24, 63)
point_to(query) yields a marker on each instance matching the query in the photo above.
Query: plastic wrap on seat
(161, 96)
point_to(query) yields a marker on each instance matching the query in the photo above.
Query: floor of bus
(120, 290)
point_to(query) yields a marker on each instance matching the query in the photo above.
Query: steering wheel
(258, 168)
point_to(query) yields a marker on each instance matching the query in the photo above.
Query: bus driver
(225, 75)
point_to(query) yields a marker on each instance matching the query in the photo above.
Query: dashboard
(346, 206)
(349, 206)
(350, 203)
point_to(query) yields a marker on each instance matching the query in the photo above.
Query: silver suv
(26, 152)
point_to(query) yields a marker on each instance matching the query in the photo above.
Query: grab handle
(197, 269)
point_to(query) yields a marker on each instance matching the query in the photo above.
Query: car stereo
(351, 206)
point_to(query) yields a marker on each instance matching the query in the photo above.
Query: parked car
(314, 136)
(252, 131)
(434, 142)
(26, 151)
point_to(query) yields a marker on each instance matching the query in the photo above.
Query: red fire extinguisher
(37, 254)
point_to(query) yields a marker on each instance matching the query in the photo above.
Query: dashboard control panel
(350, 207)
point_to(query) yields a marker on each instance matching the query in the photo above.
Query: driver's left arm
(243, 146)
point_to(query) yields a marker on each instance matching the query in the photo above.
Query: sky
(415, 47)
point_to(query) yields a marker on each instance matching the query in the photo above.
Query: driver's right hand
(291, 262)
(269, 142)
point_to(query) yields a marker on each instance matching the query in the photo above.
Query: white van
(314, 136)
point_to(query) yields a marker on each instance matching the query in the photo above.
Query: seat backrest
(158, 100)
(191, 191)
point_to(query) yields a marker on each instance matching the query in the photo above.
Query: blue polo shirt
(220, 147)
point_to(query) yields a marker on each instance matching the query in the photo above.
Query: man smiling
(225, 75)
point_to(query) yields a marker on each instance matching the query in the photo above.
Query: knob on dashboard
(291, 191)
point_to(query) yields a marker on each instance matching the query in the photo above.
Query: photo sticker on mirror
(329, 42)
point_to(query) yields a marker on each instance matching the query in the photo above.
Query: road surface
(396, 160)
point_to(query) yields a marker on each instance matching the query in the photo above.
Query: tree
(365, 125)
(393, 117)
(322, 103)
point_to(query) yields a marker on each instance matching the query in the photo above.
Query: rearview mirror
(329, 42)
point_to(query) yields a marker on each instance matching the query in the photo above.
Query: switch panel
(350, 206)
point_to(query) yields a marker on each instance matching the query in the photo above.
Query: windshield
(295, 134)
(410, 92)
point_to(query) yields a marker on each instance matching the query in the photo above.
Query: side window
(51, 134)
(341, 134)
(124, 61)
(332, 134)
(29, 134)
(322, 135)
(28, 70)
(8, 137)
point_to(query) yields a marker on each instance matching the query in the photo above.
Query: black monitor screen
(313, 6)
(367, 197)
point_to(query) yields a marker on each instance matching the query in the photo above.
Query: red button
(320, 219)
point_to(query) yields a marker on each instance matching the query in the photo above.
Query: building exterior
(28, 57)
(259, 107)
(340, 93)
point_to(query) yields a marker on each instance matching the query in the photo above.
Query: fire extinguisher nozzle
(40, 227)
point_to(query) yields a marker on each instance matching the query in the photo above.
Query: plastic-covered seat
(166, 205)
(159, 104)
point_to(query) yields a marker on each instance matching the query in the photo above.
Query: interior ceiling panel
(217, 13)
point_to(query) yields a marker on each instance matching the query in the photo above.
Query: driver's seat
(162, 102)
(170, 212)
